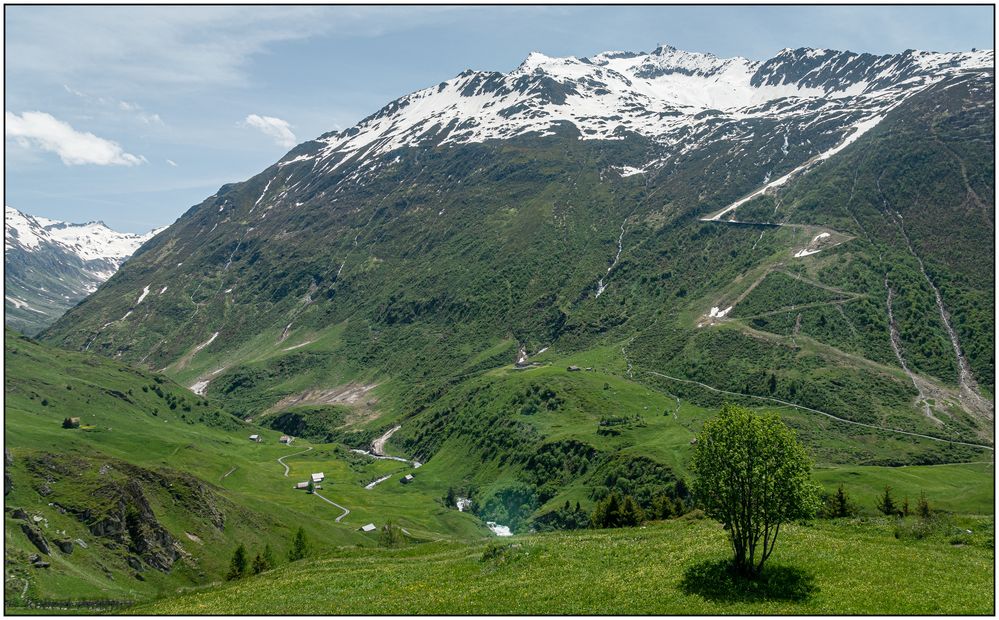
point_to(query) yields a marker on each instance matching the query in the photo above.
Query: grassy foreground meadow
(843, 567)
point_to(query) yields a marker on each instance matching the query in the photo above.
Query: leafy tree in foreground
(752, 475)
(300, 547)
(239, 564)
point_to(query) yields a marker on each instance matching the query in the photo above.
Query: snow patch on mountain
(669, 95)
(90, 241)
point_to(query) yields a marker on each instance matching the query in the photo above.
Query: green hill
(162, 485)
(670, 568)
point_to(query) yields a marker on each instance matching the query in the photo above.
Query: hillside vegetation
(671, 568)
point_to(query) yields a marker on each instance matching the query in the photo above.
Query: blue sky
(133, 114)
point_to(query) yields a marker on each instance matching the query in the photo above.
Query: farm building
(318, 477)
(255, 438)
(285, 439)
(406, 479)
(71, 423)
(368, 528)
(573, 368)
(302, 485)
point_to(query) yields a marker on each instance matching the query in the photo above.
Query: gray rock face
(36, 537)
(65, 545)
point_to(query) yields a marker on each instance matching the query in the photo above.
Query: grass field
(129, 426)
(670, 568)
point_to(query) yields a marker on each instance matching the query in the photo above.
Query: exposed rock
(37, 561)
(134, 562)
(130, 521)
(65, 545)
(20, 514)
(79, 543)
(36, 537)
(8, 483)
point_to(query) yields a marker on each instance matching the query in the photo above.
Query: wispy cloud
(276, 128)
(172, 163)
(38, 130)
(195, 46)
(130, 107)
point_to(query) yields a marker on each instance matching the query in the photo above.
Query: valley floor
(845, 567)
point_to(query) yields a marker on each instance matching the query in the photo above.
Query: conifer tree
(299, 547)
(239, 564)
(886, 504)
(923, 507)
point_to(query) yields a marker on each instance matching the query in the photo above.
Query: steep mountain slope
(156, 487)
(609, 208)
(49, 265)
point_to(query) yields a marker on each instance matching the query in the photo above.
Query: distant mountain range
(51, 265)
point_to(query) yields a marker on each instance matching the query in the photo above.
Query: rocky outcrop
(36, 537)
(8, 483)
(114, 500)
(129, 521)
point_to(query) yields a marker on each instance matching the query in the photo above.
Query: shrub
(752, 475)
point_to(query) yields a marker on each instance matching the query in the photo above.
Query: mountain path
(823, 413)
(346, 511)
(378, 445)
(283, 464)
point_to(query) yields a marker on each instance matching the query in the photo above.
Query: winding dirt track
(828, 415)
(345, 511)
(281, 459)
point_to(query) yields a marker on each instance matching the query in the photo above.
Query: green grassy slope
(196, 471)
(520, 442)
(661, 569)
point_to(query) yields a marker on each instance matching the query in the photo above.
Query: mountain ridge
(544, 224)
(51, 265)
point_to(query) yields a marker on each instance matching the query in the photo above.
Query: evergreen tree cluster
(617, 511)
(240, 565)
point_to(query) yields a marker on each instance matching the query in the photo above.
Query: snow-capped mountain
(677, 98)
(51, 265)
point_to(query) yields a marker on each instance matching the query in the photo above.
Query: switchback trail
(281, 459)
(345, 511)
(828, 415)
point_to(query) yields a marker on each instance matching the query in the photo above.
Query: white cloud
(276, 128)
(43, 131)
(172, 163)
(128, 49)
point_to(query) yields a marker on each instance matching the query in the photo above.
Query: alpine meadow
(633, 333)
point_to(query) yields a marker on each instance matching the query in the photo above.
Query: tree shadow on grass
(717, 581)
